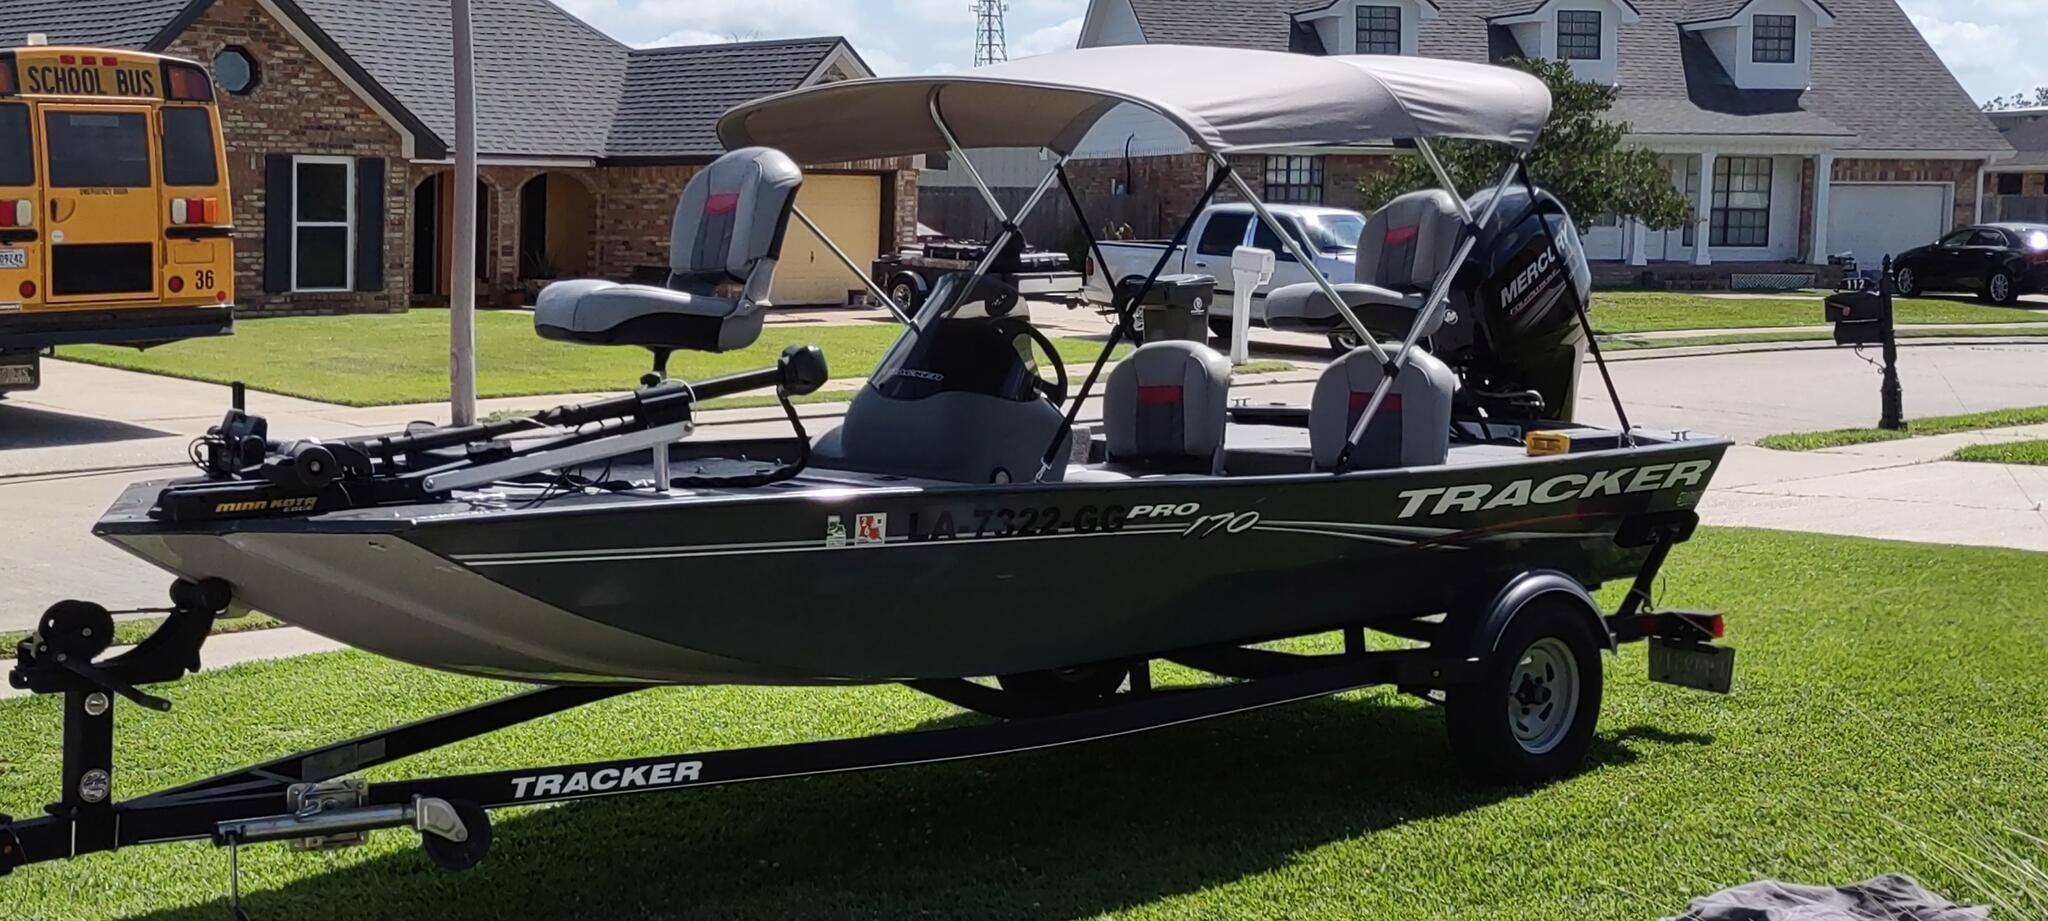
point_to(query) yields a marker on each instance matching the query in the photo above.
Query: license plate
(18, 375)
(1692, 665)
(13, 258)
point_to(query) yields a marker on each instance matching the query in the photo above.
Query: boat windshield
(1328, 232)
(976, 346)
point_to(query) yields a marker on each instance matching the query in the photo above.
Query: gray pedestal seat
(729, 226)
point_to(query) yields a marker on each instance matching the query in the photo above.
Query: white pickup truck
(1327, 235)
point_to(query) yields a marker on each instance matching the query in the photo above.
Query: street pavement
(68, 449)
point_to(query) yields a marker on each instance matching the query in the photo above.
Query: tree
(1580, 159)
(2018, 101)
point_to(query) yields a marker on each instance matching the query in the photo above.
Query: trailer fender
(1490, 621)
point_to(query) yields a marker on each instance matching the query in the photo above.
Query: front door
(101, 207)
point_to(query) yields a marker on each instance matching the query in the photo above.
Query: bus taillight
(176, 284)
(28, 290)
(186, 83)
(195, 211)
(9, 84)
(17, 213)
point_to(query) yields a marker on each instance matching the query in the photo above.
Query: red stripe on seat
(722, 203)
(1359, 399)
(1399, 235)
(1159, 393)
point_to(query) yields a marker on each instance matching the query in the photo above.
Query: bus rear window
(97, 150)
(188, 148)
(17, 163)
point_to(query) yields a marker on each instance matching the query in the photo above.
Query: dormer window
(1762, 44)
(1379, 29)
(1774, 39)
(1578, 35)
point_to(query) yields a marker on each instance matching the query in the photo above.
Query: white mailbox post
(1250, 267)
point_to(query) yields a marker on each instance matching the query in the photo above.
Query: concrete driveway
(67, 450)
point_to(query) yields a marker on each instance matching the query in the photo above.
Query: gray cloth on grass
(1887, 898)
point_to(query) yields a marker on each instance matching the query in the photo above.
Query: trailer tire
(906, 291)
(1529, 719)
(1067, 686)
(461, 855)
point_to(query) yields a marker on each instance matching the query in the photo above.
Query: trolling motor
(1863, 316)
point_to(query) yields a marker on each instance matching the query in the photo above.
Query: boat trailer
(311, 798)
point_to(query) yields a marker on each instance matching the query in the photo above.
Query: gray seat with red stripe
(729, 227)
(1406, 246)
(1412, 427)
(1165, 408)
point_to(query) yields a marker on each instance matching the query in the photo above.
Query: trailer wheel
(1067, 686)
(461, 855)
(1529, 720)
(905, 293)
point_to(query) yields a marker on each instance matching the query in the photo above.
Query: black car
(1999, 262)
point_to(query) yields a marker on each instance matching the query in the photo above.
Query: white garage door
(849, 210)
(1875, 220)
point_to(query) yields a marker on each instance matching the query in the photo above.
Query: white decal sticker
(835, 531)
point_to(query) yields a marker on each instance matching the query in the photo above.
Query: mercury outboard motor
(1517, 342)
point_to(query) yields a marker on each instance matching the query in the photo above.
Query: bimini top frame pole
(1294, 249)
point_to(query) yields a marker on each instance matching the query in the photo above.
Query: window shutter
(370, 224)
(277, 223)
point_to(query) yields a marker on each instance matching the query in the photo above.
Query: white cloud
(1990, 45)
(1056, 37)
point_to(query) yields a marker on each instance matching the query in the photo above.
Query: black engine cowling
(1517, 303)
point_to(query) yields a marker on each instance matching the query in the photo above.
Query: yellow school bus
(114, 206)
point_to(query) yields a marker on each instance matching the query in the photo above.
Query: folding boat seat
(1164, 410)
(1412, 427)
(1405, 247)
(728, 234)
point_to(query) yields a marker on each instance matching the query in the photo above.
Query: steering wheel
(1054, 390)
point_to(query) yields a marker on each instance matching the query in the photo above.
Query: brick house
(2017, 187)
(1798, 128)
(585, 143)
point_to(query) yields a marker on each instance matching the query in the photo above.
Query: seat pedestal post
(651, 379)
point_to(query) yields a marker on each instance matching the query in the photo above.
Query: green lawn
(1931, 425)
(2033, 453)
(1625, 343)
(380, 359)
(1642, 311)
(1887, 711)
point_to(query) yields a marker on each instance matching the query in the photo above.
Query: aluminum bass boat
(976, 514)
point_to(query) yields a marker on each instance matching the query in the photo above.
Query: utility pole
(990, 45)
(462, 287)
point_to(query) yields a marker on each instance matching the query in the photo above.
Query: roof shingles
(1877, 85)
(548, 85)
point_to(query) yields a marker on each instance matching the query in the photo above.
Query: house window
(1774, 39)
(1742, 202)
(235, 70)
(323, 224)
(1296, 180)
(2011, 183)
(1578, 35)
(1379, 30)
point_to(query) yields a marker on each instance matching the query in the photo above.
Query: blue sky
(1992, 45)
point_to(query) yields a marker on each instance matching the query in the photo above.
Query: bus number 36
(203, 279)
